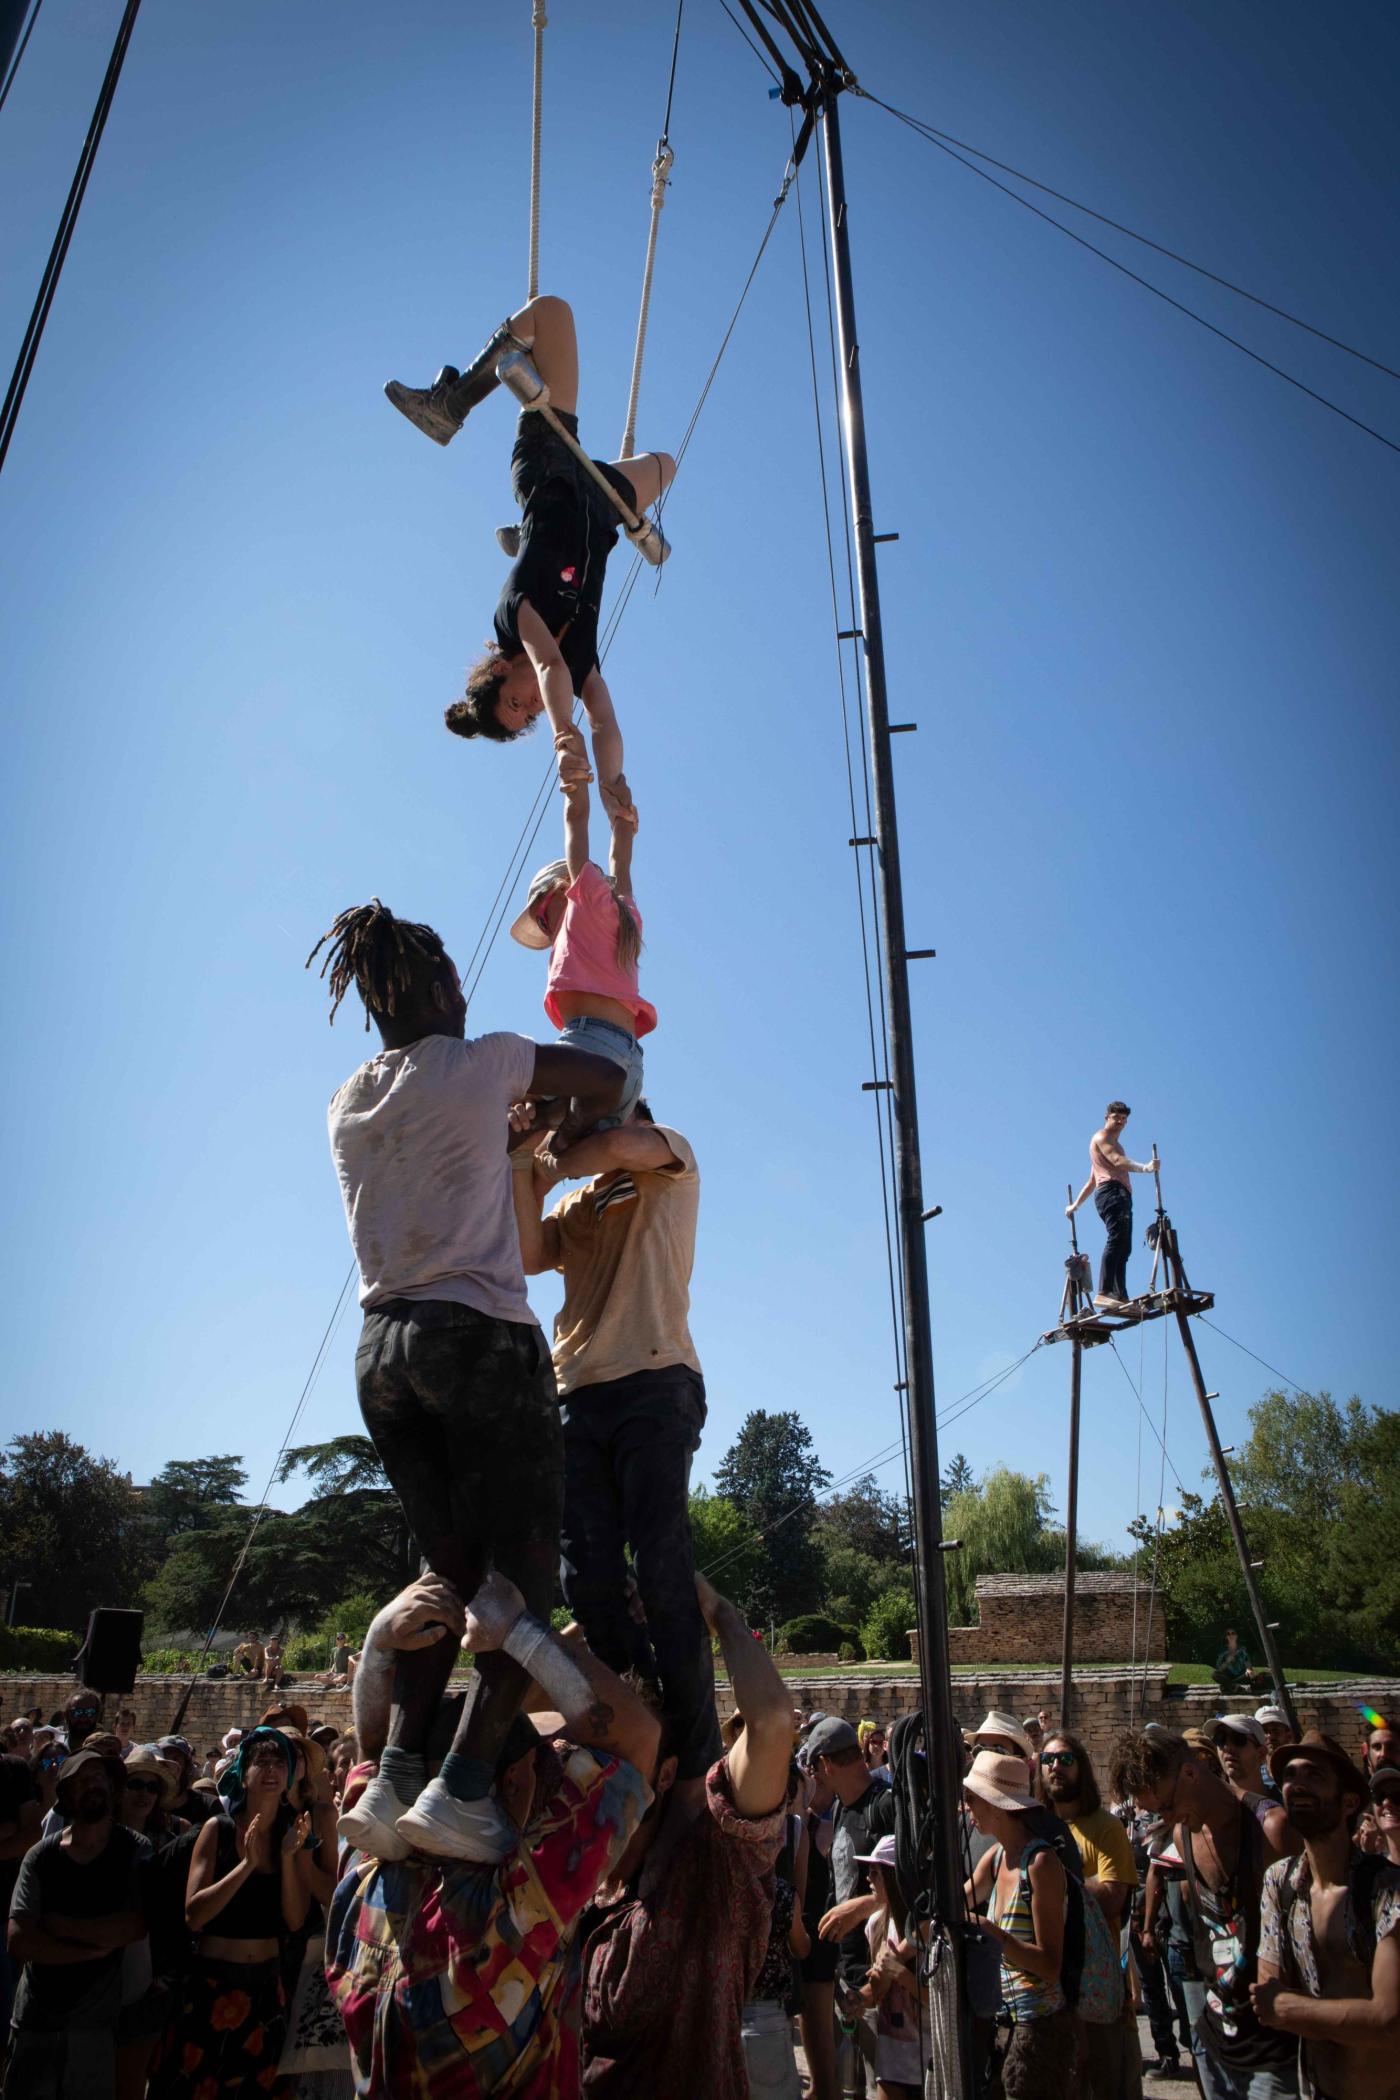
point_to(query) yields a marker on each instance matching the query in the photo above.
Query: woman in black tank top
(246, 1893)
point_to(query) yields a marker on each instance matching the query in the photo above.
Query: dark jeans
(1114, 1204)
(1160, 2002)
(464, 1414)
(628, 1447)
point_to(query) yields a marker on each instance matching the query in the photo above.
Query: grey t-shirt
(418, 1137)
(52, 1883)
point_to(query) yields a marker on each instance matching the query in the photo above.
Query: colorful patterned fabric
(1286, 1923)
(457, 1980)
(227, 2035)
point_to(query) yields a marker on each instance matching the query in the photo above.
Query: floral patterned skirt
(227, 2035)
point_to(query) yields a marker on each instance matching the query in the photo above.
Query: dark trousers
(1114, 1204)
(464, 1414)
(628, 1447)
(1160, 2004)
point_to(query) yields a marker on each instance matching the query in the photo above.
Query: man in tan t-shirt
(632, 1405)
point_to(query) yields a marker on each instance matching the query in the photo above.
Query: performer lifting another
(1109, 1169)
(592, 928)
(455, 1382)
(546, 646)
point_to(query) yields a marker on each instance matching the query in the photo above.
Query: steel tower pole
(918, 1339)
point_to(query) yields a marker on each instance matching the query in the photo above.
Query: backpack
(1091, 1975)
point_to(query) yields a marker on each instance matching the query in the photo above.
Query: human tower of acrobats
(454, 1947)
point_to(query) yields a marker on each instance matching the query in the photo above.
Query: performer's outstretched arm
(598, 1709)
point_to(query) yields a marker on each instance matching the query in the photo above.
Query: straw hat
(527, 928)
(144, 1759)
(1007, 1725)
(1003, 1781)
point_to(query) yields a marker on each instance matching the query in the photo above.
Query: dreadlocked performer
(546, 645)
(455, 1381)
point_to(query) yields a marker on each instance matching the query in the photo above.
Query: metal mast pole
(918, 1339)
(1283, 1696)
(1076, 1353)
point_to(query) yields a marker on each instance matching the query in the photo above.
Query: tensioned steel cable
(1256, 357)
(19, 52)
(53, 269)
(947, 138)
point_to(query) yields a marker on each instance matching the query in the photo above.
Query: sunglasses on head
(1058, 1757)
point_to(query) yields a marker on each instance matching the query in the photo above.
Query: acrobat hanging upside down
(545, 650)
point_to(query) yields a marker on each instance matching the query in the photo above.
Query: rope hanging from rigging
(540, 22)
(660, 177)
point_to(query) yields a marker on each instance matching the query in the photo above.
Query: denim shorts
(605, 1039)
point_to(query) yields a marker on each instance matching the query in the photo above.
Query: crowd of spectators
(186, 1924)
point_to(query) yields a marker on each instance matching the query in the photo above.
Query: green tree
(1365, 1581)
(885, 1630)
(867, 1519)
(71, 1528)
(957, 1479)
(188, 1494)
(726, 1545)
(1303, 1451)
(772, 1473)
(1002, 1523)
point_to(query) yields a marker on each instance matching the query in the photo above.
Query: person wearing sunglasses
(1065, 1782)
(81, 1716)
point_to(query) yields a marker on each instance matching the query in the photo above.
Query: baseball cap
(1271, 1717)
(527, 928)
(1236, 1724)
(830, 1736)
(882, 1856)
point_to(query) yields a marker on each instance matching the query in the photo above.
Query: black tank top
(254, 1910)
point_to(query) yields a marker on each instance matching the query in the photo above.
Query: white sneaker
(1107, 1304)
(452, 1829)
(371, 1826)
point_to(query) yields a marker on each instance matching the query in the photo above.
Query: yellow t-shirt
(1105, 1849)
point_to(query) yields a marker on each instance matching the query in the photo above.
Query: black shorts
(464, 1414)
(540, 457)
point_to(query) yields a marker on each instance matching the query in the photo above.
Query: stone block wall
(1028, 1629)
(1105, 1701)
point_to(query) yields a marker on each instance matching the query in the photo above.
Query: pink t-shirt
(584, 955)
(1103, 1171)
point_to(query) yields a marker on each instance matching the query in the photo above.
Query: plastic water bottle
(850, 2070)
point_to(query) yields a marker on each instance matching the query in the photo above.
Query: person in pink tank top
(1109, 1172)
(592, 928)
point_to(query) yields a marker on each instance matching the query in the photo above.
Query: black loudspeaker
(111, 1655)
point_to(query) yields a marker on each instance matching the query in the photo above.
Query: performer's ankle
(465, 1777)
(405, 1770)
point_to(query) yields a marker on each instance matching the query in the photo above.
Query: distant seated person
(249, 1659)
(451, 1974)
(273, 1672)
(1233, 1671)
(338, 1675)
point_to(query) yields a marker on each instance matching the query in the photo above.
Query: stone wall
(1021, 1620)
(1105, 1701)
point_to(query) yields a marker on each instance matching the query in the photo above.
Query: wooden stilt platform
(1098, 1326)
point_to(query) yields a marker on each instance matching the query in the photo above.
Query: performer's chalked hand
(491, 1613)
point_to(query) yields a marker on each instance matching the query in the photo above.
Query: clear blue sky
(1142, 608)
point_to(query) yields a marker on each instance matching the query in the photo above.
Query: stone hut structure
(1021, 1620)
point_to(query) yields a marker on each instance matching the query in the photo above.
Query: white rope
(660, 177)
(540, 21)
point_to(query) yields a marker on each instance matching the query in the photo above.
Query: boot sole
(420, 416)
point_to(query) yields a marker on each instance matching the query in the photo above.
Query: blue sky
(1142, 609)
